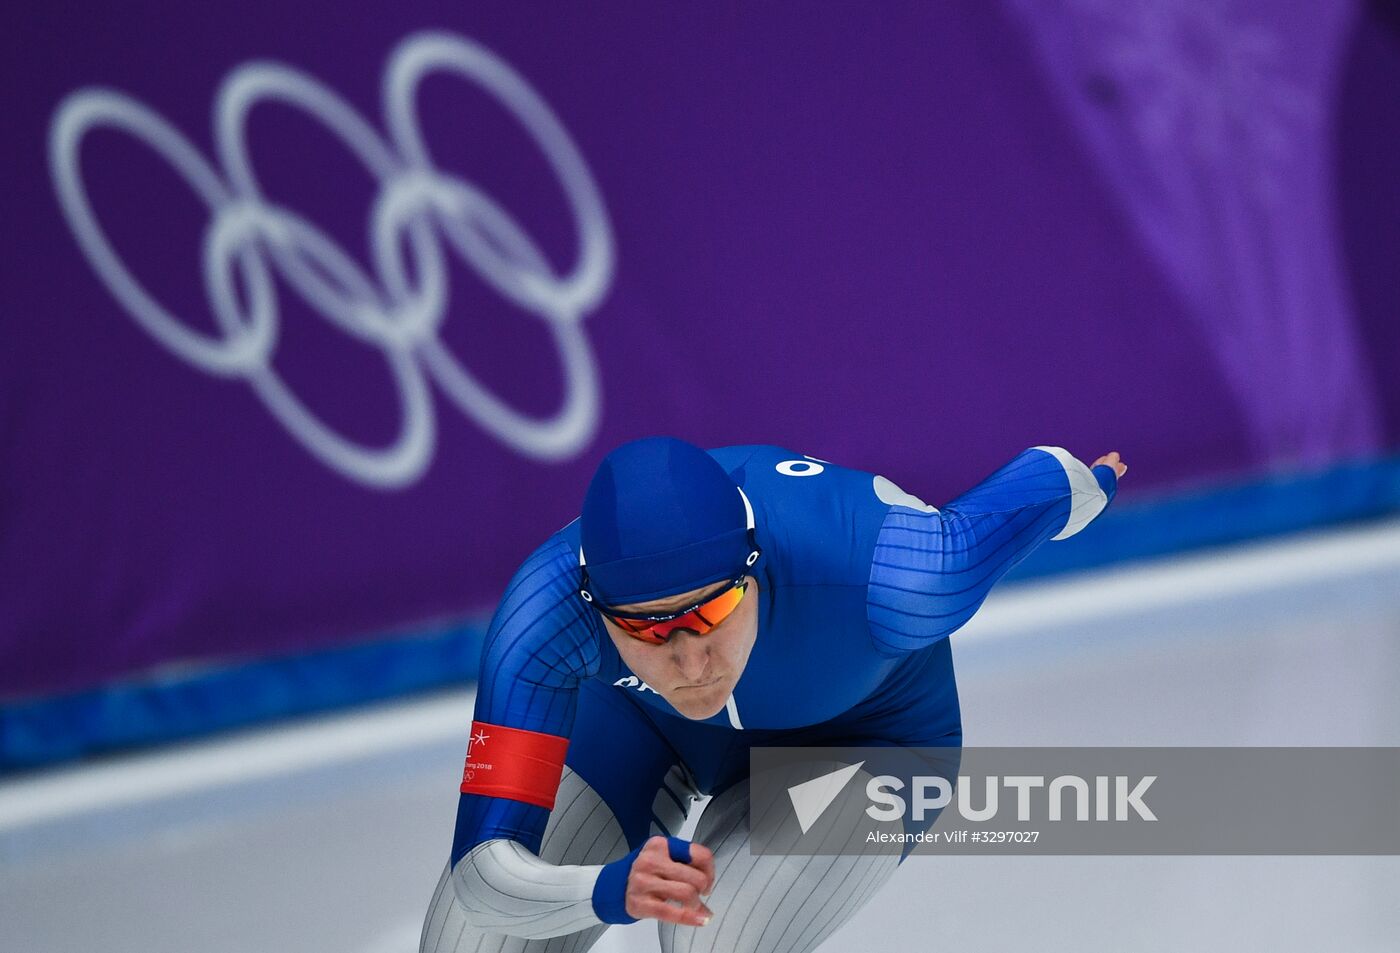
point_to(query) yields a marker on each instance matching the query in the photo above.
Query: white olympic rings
(400, 307)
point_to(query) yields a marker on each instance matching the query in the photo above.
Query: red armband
(514, 763)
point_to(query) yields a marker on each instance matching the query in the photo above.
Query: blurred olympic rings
(400, 307)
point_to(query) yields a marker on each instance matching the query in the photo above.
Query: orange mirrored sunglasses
(700, 618)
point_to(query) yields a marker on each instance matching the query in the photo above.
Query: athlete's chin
(700, 703)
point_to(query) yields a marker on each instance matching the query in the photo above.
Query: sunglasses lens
(718, 609)
(699, 620)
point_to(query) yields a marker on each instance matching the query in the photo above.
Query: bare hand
(663, 889)
(1112, 459)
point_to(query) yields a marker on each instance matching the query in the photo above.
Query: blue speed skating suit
(859, 585)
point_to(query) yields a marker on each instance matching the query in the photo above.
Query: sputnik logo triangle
(810, 799)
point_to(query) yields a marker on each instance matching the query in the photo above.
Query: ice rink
(328, 836)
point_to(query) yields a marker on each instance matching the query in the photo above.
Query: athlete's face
(695, 673)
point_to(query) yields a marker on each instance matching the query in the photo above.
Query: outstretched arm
(932, 570)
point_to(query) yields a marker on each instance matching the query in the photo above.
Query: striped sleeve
(540, 643)
(933, 569)
(504, 888)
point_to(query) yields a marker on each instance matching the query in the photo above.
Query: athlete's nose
(691, 655)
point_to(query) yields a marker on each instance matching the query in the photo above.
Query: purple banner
(318, 324)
